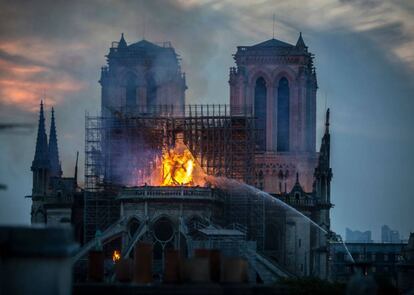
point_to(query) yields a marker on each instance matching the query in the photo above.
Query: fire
(177, 167)
(116, 256)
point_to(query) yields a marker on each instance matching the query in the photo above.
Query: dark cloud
(19, 59)
(392, 34)
(365, 4)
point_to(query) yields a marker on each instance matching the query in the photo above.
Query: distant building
(389, 235)
(358, 236)
(380, 258)
(406, 267)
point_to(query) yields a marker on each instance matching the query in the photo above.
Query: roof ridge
(273, 43)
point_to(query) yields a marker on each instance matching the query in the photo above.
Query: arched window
(261, 180)
(260, 112)
(163, 229)
(131, 90)
(283, 115)
(309, 135)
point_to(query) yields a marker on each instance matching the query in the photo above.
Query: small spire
(327, 121)
(122, 43)
(297, 187)
(41, 158)
(55, 169)
(300, 43)
(76, 169)
(273, 26)
(325, 149)
(144, 27)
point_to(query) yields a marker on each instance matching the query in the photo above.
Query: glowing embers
(116, 256)
(179, 167)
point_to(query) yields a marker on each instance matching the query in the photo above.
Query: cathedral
(152, 162)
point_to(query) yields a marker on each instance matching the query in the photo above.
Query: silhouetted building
(380, 258)
(352, 236)
(56, 200)
(36, 260)
(389, 235)
(405, 267)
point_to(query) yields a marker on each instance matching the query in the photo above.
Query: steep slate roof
(122, 43)
(55, 169)
(300, 42)
(144, 44)
(297, 186)
(272, 43)
(41, 158)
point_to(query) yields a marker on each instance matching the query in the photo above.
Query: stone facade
(141, 76)
(275, 172)
(287, 101)
(278, 81)
(169, 212)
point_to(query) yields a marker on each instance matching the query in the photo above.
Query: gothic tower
(54, 198)
(276, 81)
(41, 163)
(322, 191)
(140, 77)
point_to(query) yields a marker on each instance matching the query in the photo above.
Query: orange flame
(178, 167)
(116, 256)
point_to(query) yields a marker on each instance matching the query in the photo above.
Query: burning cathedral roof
(178, 167)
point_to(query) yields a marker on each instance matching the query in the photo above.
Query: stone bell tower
(277, 81)
(141, 77)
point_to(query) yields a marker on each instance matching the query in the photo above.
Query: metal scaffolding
(222, 143)
(122, 150)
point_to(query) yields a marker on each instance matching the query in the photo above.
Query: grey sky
(365, 64)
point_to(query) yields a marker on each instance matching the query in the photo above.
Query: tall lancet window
(260, 112)
(308, 122)
(283, 115)
(131, 90)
